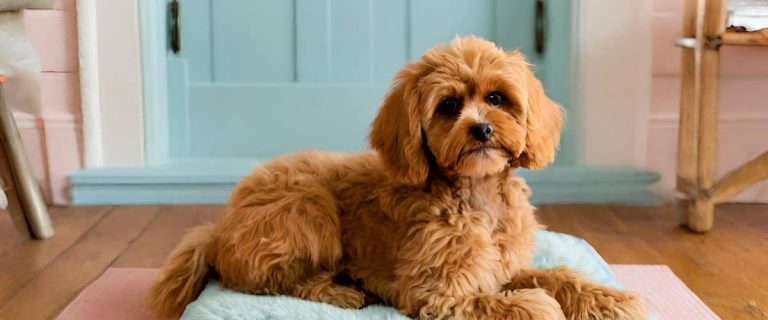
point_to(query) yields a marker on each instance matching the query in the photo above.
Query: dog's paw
(535, 303)
(608, 303)
(346, 297)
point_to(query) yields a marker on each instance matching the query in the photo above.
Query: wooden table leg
(25, 195)
(688, 129)
(709, 27)
(697, 145)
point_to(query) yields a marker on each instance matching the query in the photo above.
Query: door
(259, 78)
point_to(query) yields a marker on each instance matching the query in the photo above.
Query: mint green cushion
(216, 303)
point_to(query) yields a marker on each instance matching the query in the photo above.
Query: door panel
(261, 78)
(288, 118)
(253, 41)
(437, 21)
(196, 41)
(391, 32)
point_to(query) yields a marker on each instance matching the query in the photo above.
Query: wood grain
(755, 38)
(689, 105)
(701, 215)
(153, 246)
(25, 259)
(741, 178)
(49, 292)
(725, 267)
(10, 232)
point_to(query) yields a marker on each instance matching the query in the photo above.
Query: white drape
(18, 60)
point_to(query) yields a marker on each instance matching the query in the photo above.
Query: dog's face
(469, 108)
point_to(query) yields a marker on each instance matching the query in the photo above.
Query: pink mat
(663, 293)
(118, 292)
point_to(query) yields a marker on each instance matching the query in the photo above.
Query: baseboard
(211, 180)
(52, 142)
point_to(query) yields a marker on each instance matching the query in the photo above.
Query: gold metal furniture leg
(25, 188)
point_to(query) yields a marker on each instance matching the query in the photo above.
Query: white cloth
(18, 60)
(752, 15)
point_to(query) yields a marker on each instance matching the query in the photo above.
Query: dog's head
(466, 109)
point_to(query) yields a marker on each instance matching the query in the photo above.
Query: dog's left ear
(544, 122)
(396, 131)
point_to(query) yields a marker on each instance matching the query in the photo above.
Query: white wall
(114, 123)
(613, 89)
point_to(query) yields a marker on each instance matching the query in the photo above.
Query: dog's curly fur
(433, 222)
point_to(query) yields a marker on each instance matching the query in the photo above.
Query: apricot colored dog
(433, 222)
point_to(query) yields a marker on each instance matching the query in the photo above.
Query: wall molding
(154, 69)
(211, 181)
(674, 117)
(670, 120)
(53, 136)
(88, 51)
(47, 120)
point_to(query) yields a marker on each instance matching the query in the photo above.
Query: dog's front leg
(579, 296)
(518, 305)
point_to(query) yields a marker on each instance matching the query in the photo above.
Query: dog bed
(214, 303)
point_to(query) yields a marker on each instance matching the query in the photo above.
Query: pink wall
(54, 141)
(743, 103)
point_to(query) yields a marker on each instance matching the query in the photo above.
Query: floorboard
(725, 267)
(21, 264)
(10, 235)
(51, 289)
(153, 246)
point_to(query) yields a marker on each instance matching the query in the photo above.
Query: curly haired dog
(434, 222)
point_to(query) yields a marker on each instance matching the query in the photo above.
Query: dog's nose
(482, 131)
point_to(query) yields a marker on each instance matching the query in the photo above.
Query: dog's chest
(459, 250)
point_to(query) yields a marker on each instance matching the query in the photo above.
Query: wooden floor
(727, 268)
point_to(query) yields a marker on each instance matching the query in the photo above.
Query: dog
(433, 221)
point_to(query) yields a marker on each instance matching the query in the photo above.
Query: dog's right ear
(396, 133)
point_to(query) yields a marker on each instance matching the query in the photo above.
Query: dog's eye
(449, 106)
(495, 98)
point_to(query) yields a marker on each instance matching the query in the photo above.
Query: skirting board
(211, 180)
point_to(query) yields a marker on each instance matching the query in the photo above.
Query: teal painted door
(260, 78)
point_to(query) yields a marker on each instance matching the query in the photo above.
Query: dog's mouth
(481, 151)
(487, 150)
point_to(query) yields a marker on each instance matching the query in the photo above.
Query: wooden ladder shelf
(704, 32)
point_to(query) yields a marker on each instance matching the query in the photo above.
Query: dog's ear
(396, 132)
(544, 122)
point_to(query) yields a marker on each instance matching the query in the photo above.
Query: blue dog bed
(216, 303)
